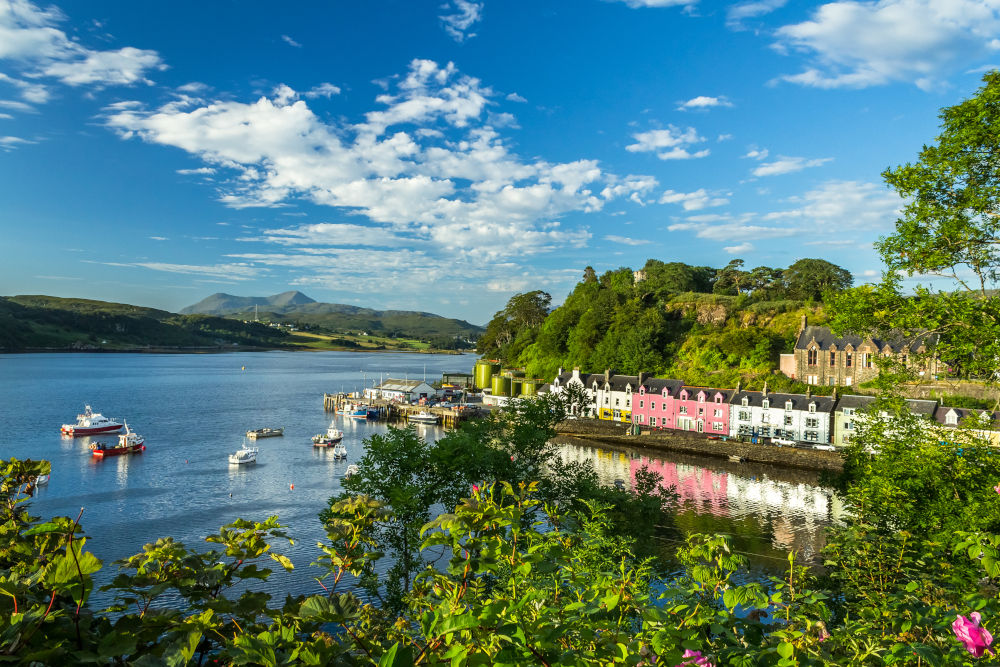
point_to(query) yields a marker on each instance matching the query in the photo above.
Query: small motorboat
(265, 433)
(423, 417)
(91, 423)
(244, 455)
(339, 451)
(332, 436)
(351, 470)
(129, 442)
(41, 480)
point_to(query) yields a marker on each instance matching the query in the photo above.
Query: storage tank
(515, 386)
(484, 370)
(529, 387)
(513, 373)
(500, 385)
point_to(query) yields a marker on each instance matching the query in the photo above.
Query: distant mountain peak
(291, 298)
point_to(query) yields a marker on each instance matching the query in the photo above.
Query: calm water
(194, 409)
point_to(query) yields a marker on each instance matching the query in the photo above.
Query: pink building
(703, 410)
(653, 406)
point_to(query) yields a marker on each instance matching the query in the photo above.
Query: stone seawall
(698, 443)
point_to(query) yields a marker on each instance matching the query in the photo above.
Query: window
(765, 431)
(847, 439)
(788, 405)
(765, 404)
(627, 402)
(744, 416)
(866, 360)
(833, 358)
(812, 436)
(718, 398)
(640, 404)
(717, 426)
(848, 412)
(744, 401)
(812, 407)
(717, 413)
(701, 412)
(848, 358)
(607, 400)
(951, 418)
(830, 380)
(664, 405)
(683, 410)
(788, 420)
(847, 381)
(811, 357)
(652, 421)
(848, 425)
(766, 417)
(701, 398)
(616, 402)
(812, 422)
(638, 419)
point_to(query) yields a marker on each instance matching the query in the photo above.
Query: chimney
(642, 376)
(739, 385)
(607, 375)
(560, 371)
(765, 388)
(809, 391)
(804, 323)
(834, 394)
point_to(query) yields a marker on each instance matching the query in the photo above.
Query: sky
(442, 156)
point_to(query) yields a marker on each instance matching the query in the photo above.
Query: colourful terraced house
(613, 395)
(703, 409)
(654, 405)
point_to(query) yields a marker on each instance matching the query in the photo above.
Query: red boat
(91, 423)
(128, 443)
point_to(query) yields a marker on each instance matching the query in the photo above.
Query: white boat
(351, 470)
(423, 418)
(244, 455)
(42, 480)
(339, 451)
(91, 423)
(265, 433)
(332, 436)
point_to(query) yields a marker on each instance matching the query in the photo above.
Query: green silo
(500, 385)
(484, 370)
(529, 387)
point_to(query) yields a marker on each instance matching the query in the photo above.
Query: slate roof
(799, 401)
(727, 394)
(825, 338)
(619, 382)
(400, 385)
(917, 406)
(656, 386)
(964, 413)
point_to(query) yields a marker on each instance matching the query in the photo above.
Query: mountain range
(296, 307)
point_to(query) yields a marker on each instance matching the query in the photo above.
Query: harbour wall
(698, 444)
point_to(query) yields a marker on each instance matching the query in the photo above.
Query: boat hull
(80, 431)
(118, 451)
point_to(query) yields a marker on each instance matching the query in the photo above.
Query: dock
(450, 417)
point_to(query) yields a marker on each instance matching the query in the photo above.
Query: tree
(589, 275)
(524, 312)
(810, 278)
(949, 230)
(731, 279)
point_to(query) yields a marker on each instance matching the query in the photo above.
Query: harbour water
(194, 409)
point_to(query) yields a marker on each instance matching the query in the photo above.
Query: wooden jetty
(395, 412)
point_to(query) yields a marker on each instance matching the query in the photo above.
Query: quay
(450, 417)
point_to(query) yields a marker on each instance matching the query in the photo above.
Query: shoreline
(686, 442)
(215, 350)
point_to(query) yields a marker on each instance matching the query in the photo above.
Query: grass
(318, 341)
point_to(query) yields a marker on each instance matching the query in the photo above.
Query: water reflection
(767, 510)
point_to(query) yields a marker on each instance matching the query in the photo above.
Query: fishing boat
(360, 411)
(351, 470)
(423, 418)
(129, 442)
(332, 436)
(339, 451)
(265, 433)
(244, 455)
(91, 423)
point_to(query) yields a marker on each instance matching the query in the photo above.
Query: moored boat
(339, 451)
(360, 411)
(265, 433)
(332, 436)
(129, 442)
(351, 470)
(244, 455)
(91, 423)
(423, 418)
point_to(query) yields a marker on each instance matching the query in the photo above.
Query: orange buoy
(291, 487)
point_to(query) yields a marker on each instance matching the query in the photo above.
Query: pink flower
(977, 639)
(997, 488)
(475, 488)
(696, 658)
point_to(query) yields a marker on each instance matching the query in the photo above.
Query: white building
(574, 377)
(799, 417)
(613, 395)
(402, 391)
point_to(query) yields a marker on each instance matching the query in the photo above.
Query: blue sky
(444, 155)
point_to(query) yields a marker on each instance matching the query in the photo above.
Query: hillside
(297, 308)
(45, 322)
(708, 326)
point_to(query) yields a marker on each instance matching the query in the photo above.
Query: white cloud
(159, 238)
(635, 4)
(854, 44)
(787, 165)
(746, 10)
(203, 171)
(624, 240)
(673, 138)
(704, 102)
(29, 38)
(232, 272)
(693, 201)
(323, 90)
(29, 91)
(738, 249)
(10, 143)
(465, 14)
(724, 137)
(732, 229)
(840, 205)
(457, 185)
(291, 42)
(514, 97)
(757, 154)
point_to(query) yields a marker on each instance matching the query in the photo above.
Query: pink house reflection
(695, 485)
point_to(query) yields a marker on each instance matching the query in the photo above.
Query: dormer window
(684, 396)
(718, 398)
(812, 407)
(701, 397)
(788, 405)
(765, 404)
(951, 418)
(745, 402)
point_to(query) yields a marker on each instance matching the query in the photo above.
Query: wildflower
(695, 658)
(976, 639)
(997, 488)
(475, 488)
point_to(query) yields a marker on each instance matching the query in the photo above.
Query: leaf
(179, 654)
(397, 656)
(785, 650)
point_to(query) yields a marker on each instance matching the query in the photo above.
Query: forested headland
(710, 326)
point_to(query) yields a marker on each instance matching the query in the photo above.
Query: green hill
(707, 326)
(297, 308)
(45, 322)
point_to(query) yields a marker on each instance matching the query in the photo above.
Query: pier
(450, 417)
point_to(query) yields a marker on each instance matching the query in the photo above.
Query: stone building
(825, 359)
